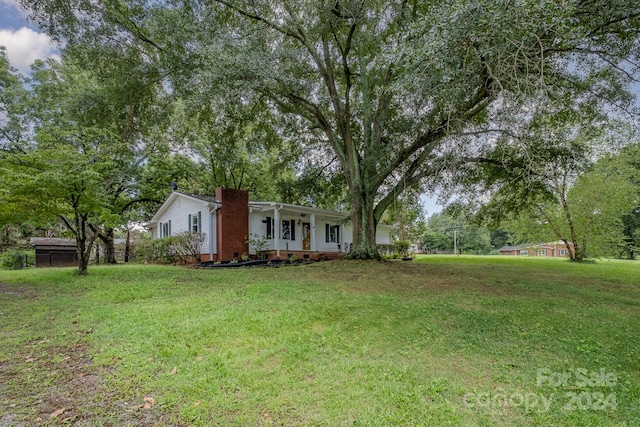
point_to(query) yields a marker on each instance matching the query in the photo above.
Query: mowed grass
(437, 341)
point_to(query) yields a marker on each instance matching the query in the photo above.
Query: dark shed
(52, 252)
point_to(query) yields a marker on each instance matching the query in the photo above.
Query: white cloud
(13, 3)
(25, 46)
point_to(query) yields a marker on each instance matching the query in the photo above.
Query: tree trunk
(109, 246)
(127, 247)
(83, 250)
(364, 226)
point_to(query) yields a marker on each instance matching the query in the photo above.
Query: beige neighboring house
(551, 249)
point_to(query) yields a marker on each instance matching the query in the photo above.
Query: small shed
(51, 252)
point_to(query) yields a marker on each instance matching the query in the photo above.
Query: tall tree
(59, 182)
(12, 93)
(407, 216)
(586, 214)
(94, 121)
(388, 86)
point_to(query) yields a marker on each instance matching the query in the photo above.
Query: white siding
(383, 235)
(257, 227)
(178, 213)
(321, 236)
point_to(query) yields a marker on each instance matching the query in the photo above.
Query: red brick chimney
(232, 223)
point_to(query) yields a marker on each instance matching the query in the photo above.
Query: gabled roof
(531, 246)
(511, 248)
(51, 242)
(210, 199)
(207, 201)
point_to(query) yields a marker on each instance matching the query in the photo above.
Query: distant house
(52, 252)
(229, 220)
(551, 249)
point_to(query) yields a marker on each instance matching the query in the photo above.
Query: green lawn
(437, 341)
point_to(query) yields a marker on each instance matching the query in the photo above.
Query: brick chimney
(232, 223)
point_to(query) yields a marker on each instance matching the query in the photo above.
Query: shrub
(158, 251)
(402, 247)
(188, 246)
(183, 247)
(258, 244)
(13, 260)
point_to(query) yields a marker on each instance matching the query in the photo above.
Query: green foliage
(157, 251)
(402, 247)
(407, 216)
(386, 92)
(180, 248)
(441, 228)
(258, 244)
(587, 212)
(13, 125)
(13, 259)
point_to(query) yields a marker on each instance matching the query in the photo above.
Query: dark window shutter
(327, 233)
(269, 232)
(199, 222)
(337, 234)
(293, 229)
(189, 224)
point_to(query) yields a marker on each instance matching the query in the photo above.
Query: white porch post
(276, 231)
(211, 236)
(341, 238)
(312, 232)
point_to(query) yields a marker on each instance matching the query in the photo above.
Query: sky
(24, 44)
(23, 41)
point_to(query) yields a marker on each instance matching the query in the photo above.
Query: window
(562, 252)
(269, 223)
(541, 252)
(165, 229)
(332, 233)
(524, 252)
(288, 229)
(195, 223)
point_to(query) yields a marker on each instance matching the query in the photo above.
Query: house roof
(210, 199)
(266, 206)
(530, 246)
(510, 248)
(207, 201)
(50, 241)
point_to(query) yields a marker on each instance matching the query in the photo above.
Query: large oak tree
(390, 88)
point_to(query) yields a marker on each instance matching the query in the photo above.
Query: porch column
(341, 238)
(312, 232)
(276, 230)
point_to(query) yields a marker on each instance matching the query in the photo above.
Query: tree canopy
(399, 93)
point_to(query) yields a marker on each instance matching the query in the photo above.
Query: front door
(306, 236)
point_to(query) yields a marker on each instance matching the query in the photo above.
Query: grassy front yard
(436, 341)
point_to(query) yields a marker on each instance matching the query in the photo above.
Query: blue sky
(23, 42)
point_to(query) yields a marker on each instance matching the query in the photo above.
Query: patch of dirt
(67, 390)
(6, 289)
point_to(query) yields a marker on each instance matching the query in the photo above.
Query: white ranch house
(229, 220)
